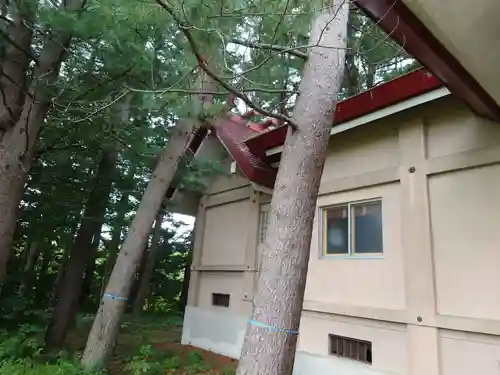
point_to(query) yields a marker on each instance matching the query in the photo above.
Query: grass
(149, 345)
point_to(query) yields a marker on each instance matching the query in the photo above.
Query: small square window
(219, 299)
(353, 229)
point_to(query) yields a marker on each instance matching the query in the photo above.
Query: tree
(17, 144)
(104, 330)
(280, 292)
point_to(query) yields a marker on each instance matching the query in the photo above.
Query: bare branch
(271, 47)
(198, 92)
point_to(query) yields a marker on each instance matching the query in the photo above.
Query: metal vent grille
(346, 347)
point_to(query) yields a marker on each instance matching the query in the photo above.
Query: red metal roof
(386, 94)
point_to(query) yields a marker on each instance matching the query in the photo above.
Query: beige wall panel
(225, 283)
(389, 349)
(355, 153)
(465, 213)
(469, 354)
(375, 282)
(225, 234)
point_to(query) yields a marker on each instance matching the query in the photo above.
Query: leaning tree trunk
(17, 144)
(147, 273)
(72, 279)
(107, 321)
(280, 291)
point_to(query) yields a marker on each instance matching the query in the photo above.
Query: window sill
(353, 257)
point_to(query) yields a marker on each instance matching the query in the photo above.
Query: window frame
(351, 253)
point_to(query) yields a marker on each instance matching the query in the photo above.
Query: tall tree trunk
(42, 282)
(107, 321)
(15, 66)
(370, 76)
(17, 145)
(28, 274)
(280, 291)
(68, 297)
(60, 273)
(146, 275)
(91, 265)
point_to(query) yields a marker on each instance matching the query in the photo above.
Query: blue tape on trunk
(275, 329)
(117, 298)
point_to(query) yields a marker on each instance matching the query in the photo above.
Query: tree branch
(271, 47)
(198, 92)
(203, 65)
(6, 36)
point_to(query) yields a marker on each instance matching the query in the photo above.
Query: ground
(150, 345)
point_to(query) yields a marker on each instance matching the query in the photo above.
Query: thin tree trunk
(17, 144)
(68, 297)
(90, 269)
(60, 272)
(370, 76)
(28, 274)
(280, 291)
(145, 278)
(106, 324)
(42, 280)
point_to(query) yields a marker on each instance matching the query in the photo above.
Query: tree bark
(15, 66)
(280, 291)
(90, 269)
(145, 277)
(28, 274)
(106, 324)
(17, 144)
(136, 279)
(68, 297)
(60, 273)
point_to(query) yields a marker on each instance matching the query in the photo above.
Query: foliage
(21, 354)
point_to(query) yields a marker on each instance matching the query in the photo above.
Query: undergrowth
(21, 353)
(152, 362)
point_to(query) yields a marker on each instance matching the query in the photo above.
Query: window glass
(366, 227)
(337, 230)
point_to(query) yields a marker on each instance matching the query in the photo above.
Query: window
(354, 349)
(353, 228)
(219, 299)
(263, 222)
